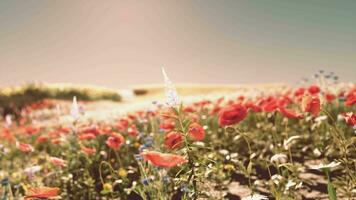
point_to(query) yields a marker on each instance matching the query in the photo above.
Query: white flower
(289, 142)
(223, 151)
(8, 120)
(279, 158)
(30, 171)
(255, 197)
(340, 117)
(276, 179)
(75, 109)
(290, 184)
(172, 98)
(317, 152)
(331, 165)
(320, 118)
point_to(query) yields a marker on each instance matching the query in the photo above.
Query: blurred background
(121, 43)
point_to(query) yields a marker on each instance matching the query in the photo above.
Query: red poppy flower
(196, 131)
(311, 104)
(58, 162)
(7, 135)
(163, 159)
(24, 147)
(88, 151)
(189, 109)
(31, 130)
(64, 130)
(123, 124)
(232, 114)
(285, 100)
(351, 98)
(42, 193)
(289, 113)
(167, 125)
(42, 138)
(167, 113)
(299, 92)
(173, 140)
(202, 103)
(251, 106)
(131, 116)
(215, 110)
(86, 136)
(313, 89)
(329, 97)
(269, 104)
(132, 130)
(91, 130)
(115, 141)
(350, 119)
(56, 141)
(220, 100)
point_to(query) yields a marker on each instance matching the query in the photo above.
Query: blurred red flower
(189, 109)
(251, 106)
(132, 130)
(196, 131)
(173, 140)
(350, 118)
(41, 138)
(42, 193)
(351, 98)
(88, 151)
(24, 147)
(163, 159)
(289, 113)
(232, 114)
(167, 125)
(330, 97)
(311, 104)
(92, 130)
(86, 136)
(115, 141)
(313, 89)
(31, 130)
(58, 162)
(7, 135)
(299, 92)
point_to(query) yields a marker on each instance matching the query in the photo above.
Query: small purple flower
(148, 141)
(5, 181)
(142, 148)
(185, 189)
(146, 181)
(138, 157)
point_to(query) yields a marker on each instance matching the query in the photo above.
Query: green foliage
(12, 100)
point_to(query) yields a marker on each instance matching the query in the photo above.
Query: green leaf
(331, 191)
(249, 168)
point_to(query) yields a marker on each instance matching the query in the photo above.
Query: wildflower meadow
(294, 142)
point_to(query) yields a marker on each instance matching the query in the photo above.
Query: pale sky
(121, 43)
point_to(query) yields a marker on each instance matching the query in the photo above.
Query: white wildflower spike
(172, 98)
(75, 109)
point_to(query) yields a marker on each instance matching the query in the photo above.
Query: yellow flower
(107, 187)
(137, 145)
(122, 173)
(229, 167)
